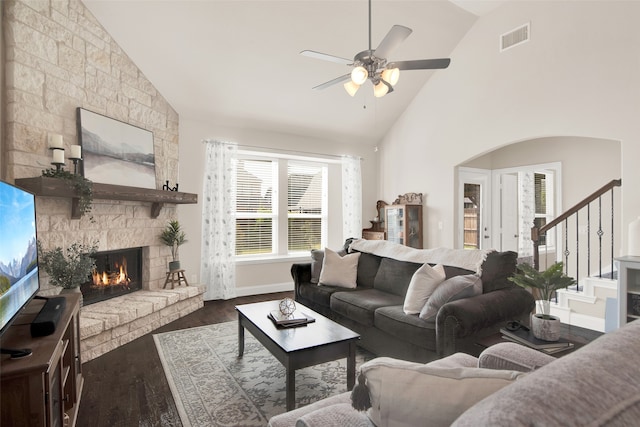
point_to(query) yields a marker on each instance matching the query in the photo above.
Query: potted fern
(174, 237)
(68, 268)
(543, 284)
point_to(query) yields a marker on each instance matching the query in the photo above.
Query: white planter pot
(545, 329)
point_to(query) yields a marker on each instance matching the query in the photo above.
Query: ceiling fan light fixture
(380, 89)
(351, 87)
(391, 75)
(359, 75)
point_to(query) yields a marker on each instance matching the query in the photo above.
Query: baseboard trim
(264, 289)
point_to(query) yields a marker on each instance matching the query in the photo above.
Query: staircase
(584, 245)
(586, 308)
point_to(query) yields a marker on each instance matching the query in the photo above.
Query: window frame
(280, 215)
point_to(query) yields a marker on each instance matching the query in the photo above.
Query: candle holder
(75, 164)
(58, 157)
(59, 166)
(75, 156)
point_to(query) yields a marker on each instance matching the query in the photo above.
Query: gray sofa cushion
(360, 305)
(450, 271)
(408, 327)
(367, 269)
(496, 269)
(394, 276)
(456, 288)
(596, 385)
(321, 294)
(288, 419)
(340, 414)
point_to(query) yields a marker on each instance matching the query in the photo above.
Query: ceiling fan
(373, 65)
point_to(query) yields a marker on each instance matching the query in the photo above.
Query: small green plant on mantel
(81, 185)
(70, 267)
(544, 282)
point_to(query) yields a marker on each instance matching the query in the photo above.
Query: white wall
(579, 75)
(265, 276)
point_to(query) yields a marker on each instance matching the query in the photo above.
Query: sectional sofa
(509, 385)
(475, 299)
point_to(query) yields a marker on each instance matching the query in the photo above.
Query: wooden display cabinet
(403, 224)
(42, 389)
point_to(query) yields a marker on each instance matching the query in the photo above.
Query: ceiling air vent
(515, 37)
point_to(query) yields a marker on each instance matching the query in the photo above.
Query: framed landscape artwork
(115, 152)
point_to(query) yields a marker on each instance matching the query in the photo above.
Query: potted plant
(543, 284)
(70, 267)
(173, 236)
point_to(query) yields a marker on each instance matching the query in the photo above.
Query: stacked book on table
(525, 337)
(290, 320)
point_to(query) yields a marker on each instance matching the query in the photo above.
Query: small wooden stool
(171, 278)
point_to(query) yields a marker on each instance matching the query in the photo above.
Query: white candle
(55, 141)
(58, 156)
(76, 152)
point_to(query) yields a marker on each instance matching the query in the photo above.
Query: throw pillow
(339, 271)
(405, 393)
(423, 283)
(456, 288)
(317, 256)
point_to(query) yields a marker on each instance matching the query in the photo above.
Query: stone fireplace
(57, 58)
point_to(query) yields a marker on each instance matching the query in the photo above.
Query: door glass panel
(472, 216)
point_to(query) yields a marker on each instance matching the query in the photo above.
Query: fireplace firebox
(117, 272)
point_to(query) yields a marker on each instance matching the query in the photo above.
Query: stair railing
(582, 227)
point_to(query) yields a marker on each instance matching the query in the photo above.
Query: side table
(575, 334)
(175, 276)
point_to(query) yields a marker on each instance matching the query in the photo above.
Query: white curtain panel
(351, 197)
(218, 266)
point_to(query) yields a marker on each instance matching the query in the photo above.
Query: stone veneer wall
(57, 58)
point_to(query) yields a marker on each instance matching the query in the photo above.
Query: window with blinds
(257, 205)
(543, 191)
(306, 190)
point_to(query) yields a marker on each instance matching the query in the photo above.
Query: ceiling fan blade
(326, 57)
(333, 82)
(396, 35)
(421, 64)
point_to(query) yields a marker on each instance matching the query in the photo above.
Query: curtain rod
(284, 151)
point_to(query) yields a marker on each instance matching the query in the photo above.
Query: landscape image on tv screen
(18, 251)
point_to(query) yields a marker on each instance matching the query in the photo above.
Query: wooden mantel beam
(57, 187)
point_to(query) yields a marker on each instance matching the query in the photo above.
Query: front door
(474, 208)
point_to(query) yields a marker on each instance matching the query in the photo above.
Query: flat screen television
(18, 252)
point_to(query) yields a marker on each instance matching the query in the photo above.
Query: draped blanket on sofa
(468, 259)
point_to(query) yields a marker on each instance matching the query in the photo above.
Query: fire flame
(119, 277)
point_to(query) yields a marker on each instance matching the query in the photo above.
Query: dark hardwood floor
(127, 386)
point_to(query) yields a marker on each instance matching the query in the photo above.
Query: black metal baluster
(612, 233)
(600, 234)
(589, 240)
(577, 251)
(566, 246)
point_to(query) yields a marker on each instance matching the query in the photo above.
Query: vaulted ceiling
(237, 63)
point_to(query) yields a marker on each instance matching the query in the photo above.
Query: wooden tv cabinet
(42, 389)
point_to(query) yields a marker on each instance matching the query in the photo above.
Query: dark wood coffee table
(321, 341)
(575, 334)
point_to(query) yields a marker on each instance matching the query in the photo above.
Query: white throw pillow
(423, 282)
(455, 288)
(412, 394)
(339, 271)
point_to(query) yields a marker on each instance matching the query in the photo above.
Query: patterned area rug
(213, 387)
